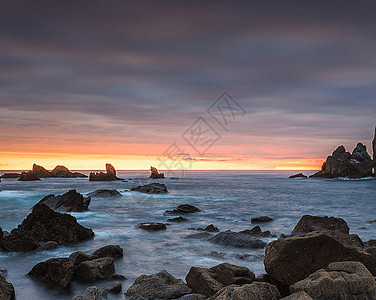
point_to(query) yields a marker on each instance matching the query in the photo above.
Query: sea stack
(108, 176)
(154, 173)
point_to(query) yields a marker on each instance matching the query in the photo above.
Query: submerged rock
(91, 293)
(255, 290)
(290, 260)
(70, 201)
(183, 209)
(256, 231)
(154, 173)
(108, 176)
(238, 240)
(157, 286)
(178, 219)
(209, 281)
(103, 193)
(340, 280)
(309, 223)
(152, 226)
(6, 289)
(262, 219)
(299, 175)
(152, 188)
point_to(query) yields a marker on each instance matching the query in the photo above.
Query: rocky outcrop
(289, 260)
(152, 226)
(57, 172)
(344, 164)
(91, 293)
(93, 270)
(262, 219)
(28, 176)
(157, 286)
(299, 175)
(209, 281)
(70, 201)
(309, 223)
(108, 176)
(104, 193)
(152, 188)
(63, 172)
(340, 280)
(55, 271)
(114, 251)
(255, 290)
(256, 231)
(113, 289)
(154, 173)
(178, 220)
(209, 228)
(6, 289)
(43, 225)
(238, 240)
(183, 209)
(10, 175)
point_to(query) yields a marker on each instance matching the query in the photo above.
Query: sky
(83, 83)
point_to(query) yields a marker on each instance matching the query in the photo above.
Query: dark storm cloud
(299, 68)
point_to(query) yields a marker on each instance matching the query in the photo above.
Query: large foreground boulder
(310, 223)
(340, 280)
(344, 164)
(157, 286)
(152, 188)
(209, 281)
(108, 176)
(55, 271)
(255, 290)
(43, 225)
(155, 174)
(6, 290)
(70, 201)
(288, 260)
(238, 240)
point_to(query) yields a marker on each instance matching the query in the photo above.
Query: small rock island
(108, 176)
(155, 174)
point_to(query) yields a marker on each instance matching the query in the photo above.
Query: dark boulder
(262, 219)
(115, 288)
(19, 240)
(90, 293)
(238, 240)
(310, 223)
(104, 193)
(79, 257)
(209, 228)
(70, 201)
(292, 259)
(93, 270)
(253, 291)
(28, 176)
(108, 176)
(6, 290)
(256, 231)
(40, 172)
(209, 281)
(152, 226)
(299, 175)
(56, 271)
(183, 209)
(152, 188)
(114, 251)
(154, 173)
(178, 220)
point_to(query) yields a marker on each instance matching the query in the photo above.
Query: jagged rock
(152, 226)
(238, 240)
(56, 271)
(157, 286)
(340, 280)
(114, 251)
(10, 175)
(298, 296)
(343, 164)
(92, 270)
(262, 219)
(70, 201)
(28, 176)
(108, 176)
(183, 209)
(79, 257)
(91, 293)
(309, 223)
(256, 231)
(299, 175)
(255, 290)
(43, 225)
(40, 172)
(104, 193)
(114, 289)
(6, 290)
(154, 173)
(152, 188)
(209, 281)
(178, 219)
(63, 172)
(292, 259)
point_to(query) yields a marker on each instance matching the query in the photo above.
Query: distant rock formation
(28, 176)
(299, 175)
(10, 175)
(154, 173)
(70, 201)
(108, 176)
(344, 164)
(63, 172)
(40, 172)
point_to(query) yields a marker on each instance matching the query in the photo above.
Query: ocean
(228, 199)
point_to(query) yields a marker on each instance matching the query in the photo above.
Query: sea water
(228, 199)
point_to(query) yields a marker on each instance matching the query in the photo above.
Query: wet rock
(292, 259)
(102, 193)
(56, 271)
(209, 228)
(70, 201)
(114, 251)
(209, 281)
(114, 289)
(262, 219)
(10, 175)
(262, 278)
(255, 290)
(183, 209)
(79, 257)
(238, 240)
(108, 176)
(310, 223)
(154, 173)
(299, 175)
(178, 219)
(6, 290)
(47, 246)
(298, 296)
(28, 176)
(157, 286)
(93, 270)
(91, 293)
(119, 277)
(256, 231)
(152, 188)
(340, 280)
(18, 240)
(152, 226)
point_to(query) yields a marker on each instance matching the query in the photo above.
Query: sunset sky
(83, 83)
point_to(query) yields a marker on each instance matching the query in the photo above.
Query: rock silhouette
(108, 176)
(154, 173)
